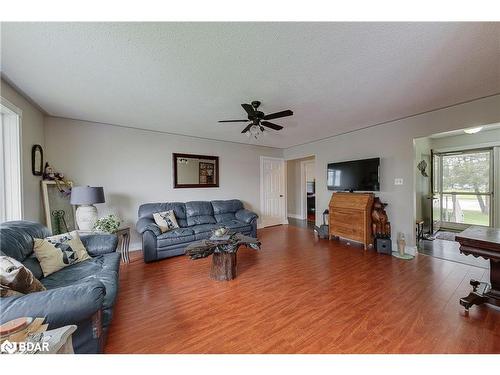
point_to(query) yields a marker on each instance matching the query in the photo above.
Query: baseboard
(412, 250)
(296, 216)
(262, 226)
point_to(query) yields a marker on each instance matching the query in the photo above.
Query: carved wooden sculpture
(381, 227)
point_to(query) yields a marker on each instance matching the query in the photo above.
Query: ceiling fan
(258, 120)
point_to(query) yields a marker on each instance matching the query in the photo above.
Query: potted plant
(107, 224)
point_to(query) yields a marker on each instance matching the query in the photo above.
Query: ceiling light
(473, 130)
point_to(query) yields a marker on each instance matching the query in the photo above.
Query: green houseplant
(108, 224)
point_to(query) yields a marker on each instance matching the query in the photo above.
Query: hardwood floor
(301, 295)
(449, 250)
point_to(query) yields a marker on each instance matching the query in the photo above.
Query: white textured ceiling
(183, 77)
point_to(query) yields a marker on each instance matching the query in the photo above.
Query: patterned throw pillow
(166, 220)
(16, 279)
(56, 252)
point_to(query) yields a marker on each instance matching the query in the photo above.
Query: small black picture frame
(37, 160)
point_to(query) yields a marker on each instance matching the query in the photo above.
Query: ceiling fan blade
(247, 128)
(271, 125)
(233, 120)
(278, 115)
(248, 109)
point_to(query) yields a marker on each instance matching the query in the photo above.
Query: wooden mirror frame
(37, 170)
(176, 156)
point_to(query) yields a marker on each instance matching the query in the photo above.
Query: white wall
(483, 138)
(423, 184)
(135, 166)
(393, 143)
(32, 132)
(293, 188)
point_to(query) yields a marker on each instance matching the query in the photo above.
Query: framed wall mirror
(37, 160)
(195, 171)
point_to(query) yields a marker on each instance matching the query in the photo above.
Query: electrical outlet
(398, 181)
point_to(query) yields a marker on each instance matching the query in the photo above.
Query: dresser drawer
(348, 233)
(347, 218)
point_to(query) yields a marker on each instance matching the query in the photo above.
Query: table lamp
(85, 197)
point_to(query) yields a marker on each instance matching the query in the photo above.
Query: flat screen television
(359, 175)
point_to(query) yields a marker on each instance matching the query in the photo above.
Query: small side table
(123, 235)
(60, 340)
(29, 330)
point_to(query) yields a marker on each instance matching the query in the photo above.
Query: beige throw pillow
(166, 220)
(15, 278)
(56, 252)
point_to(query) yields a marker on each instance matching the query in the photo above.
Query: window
(463, 185)
(10, 162)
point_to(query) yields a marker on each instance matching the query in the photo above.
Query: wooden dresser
(350, 217)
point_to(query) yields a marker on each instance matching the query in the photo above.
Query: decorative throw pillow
(166, 220)
(56, 252)
(15, 277)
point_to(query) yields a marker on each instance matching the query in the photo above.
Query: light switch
(398, 181)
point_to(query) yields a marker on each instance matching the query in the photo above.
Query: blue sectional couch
(196, 221)
(82, 294)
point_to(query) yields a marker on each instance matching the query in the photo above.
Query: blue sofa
(82, 294)
(196, 221)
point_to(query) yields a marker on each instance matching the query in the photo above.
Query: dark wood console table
(482, 242)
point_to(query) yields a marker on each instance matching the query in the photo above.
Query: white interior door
(273, 191)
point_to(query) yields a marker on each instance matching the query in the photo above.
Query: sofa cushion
(33, 265)
(224, 210)
(228, 216)
(202, 236)
(179, 208)
(237, 226)
(174, 237)
(199, 212)
(224, 206)
(16, 238)
(179, 232)
(103, 268)
(203, 228)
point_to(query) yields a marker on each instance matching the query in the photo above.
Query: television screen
(360, 175)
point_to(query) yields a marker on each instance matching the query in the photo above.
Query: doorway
(462, 184)
(456, 186)
(301, 192)
(272, 191)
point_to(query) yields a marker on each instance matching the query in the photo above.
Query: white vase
(401, 244)
(86, 217)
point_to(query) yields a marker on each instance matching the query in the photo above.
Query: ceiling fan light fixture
(473, 130)
(258, 120)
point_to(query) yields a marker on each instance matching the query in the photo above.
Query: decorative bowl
(219, 232)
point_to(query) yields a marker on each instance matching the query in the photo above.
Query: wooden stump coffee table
(223, 254)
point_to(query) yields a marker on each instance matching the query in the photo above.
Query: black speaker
(384, 246)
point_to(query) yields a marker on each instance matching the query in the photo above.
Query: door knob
(281, 195)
